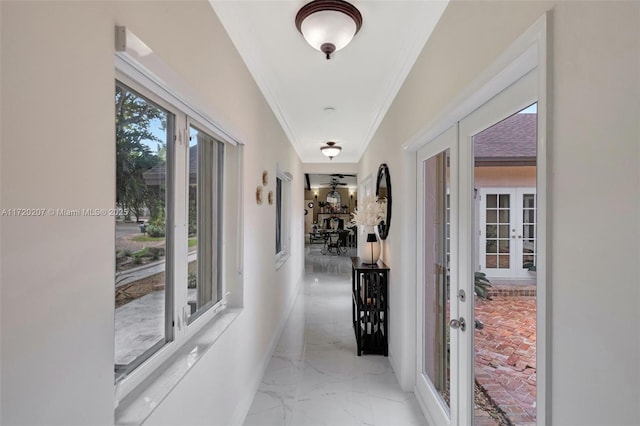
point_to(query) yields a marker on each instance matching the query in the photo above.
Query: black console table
(369, 310)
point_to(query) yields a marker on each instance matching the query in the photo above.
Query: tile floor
(315, 376)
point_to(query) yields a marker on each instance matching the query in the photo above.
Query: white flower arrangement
(369, 213)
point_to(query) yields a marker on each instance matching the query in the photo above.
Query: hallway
(315, 377)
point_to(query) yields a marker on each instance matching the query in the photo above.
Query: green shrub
(155, 252)
(192, 280)
(155, 230)
(482, 285)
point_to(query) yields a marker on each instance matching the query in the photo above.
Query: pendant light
(331, 150)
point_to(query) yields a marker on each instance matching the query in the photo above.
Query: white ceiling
(360, 81)
(322, 180)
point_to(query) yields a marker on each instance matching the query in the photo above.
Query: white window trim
(284, 254)
(158, 374)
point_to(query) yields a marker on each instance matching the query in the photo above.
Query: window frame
(218, 291)
(169, 315)
(179, 328)
(283, 207)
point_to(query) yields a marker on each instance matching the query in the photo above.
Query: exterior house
(505, 181)
(57, 272)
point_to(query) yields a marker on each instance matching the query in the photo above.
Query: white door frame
(427, 395)
(528, 52)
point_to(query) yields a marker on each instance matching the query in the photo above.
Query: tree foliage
(134, 117)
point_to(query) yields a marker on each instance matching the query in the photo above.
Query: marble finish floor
(315, 376)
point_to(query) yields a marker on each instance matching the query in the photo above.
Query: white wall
(57, 305)
(505, 177)
(594, 163)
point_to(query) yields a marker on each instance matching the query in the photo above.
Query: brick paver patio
(505, 360)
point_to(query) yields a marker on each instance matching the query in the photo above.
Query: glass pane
(279, 214)
(204, 177)
(505, 370)
(492, 231)
(435, 363)
(528, 231)
(528, 216)
(192, 244)
(528, 201)
(492, 216)
(140, 240)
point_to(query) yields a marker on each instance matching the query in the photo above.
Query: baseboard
(242, 409)
(425, 411)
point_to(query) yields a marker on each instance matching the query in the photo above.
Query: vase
(371, 251)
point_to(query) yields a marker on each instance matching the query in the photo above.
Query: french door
(507, 231)
(449, 248)
(438, 371)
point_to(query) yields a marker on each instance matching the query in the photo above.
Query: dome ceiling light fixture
(328, 25)
(331, 150)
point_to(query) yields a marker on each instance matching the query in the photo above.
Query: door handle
(458, 323)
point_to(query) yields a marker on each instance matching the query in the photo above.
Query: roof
(511, 141)
(156, 175)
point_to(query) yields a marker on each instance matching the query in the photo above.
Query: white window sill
(281, 259)
(139, 404)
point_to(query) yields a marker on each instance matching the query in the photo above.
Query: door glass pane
(142, 130)
(528, 231)
(436, 283)
(505, 320)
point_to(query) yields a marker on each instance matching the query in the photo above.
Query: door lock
(458, 323)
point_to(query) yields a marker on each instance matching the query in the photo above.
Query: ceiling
(359, 82)
(319, 180)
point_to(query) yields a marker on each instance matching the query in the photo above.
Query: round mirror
(383, 192)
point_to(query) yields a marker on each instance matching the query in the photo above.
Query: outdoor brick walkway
(505, 361)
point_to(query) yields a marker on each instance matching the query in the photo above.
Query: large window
(169, 185)
(278, 215)
(283, 202)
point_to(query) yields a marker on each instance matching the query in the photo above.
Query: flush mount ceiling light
(331, 150)
(328, 25)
